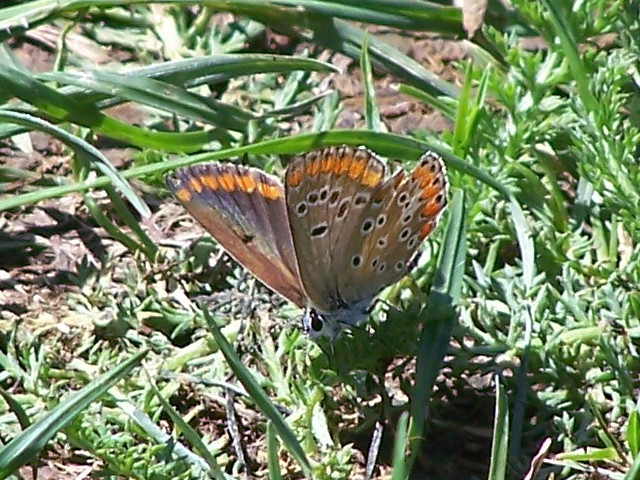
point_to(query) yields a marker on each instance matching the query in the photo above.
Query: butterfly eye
(312, 323)
(316, 323)
(399, 266)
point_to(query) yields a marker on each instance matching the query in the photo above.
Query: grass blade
(29, 443)
(441, 316)
(84, 149)
(258, 395)
(500, 441)
(189, 434)
(634, 471)
(386, 144)
(525, 240)
(371, 111)
(160, 95)
(399, 448)
(570, 48)
(272, 453)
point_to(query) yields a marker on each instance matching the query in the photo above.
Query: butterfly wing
(327, 192)
(244, 210)
(354, 232)
(404, 211)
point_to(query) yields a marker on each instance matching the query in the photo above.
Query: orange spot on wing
(184, 195)
(227, 182)
(425, 230)
(356, 169)
(371, 178)
(426, 179)
(294, 177)
(327, 163)
(344, 163)
(246, 183)
(432, 208)
(417, 173)
(430, 192)
(194, 183)
(209, 181)
(270, 192)
(312, 167)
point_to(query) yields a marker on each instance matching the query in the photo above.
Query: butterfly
(331, 238)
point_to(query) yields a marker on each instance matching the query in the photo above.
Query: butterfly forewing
(244, 210)
(327, 192)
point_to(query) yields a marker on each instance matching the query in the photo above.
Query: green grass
(143, 358)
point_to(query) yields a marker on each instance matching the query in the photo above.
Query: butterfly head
(315, 324)
(318, 324)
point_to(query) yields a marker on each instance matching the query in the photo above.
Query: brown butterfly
(331, 238)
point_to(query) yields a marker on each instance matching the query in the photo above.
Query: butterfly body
(330, 238)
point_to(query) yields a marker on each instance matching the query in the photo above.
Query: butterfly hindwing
(355, 232)
(244, 210)
(408, 210)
